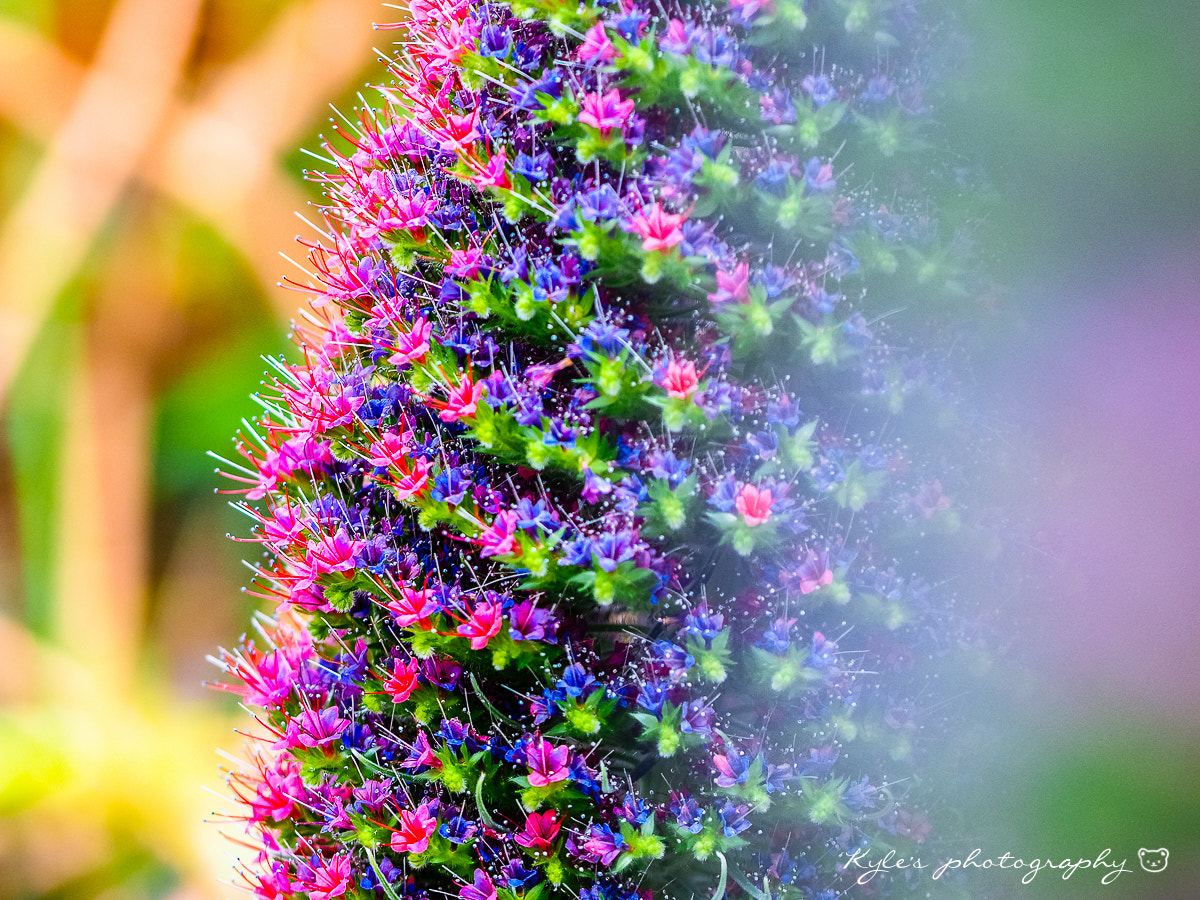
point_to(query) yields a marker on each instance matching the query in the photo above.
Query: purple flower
(819, 88)
(665, 465)
(818, 176)
(652, 696)
(724, 497)
(733, 766)
(703, 625)
(495, 40)
(777, 638)
(600, 203)
(733, 818)
(442, 672)
(697, 718)
(576, 681)
(687, 812)
(535, 168)
(529, 622)
(673, 657)
(610, 550)
(879, 88)
(481, 889)
(458, 830)
(577, 552)
(603, 844)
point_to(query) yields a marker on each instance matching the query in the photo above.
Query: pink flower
(416, 827)
(596, 45)
(540, 831)
(324, 882)
(412, 607)
(675, 39)
(459, 132)
(749, 8)
(606, 112)
(814, 570)
(275, 795)
(313, 728)
(547, 763)
(332, 553)
(462, 400)
(658, 229)
(754, 505)
(483, 624)
(391, 450)
(733, 285)
(680, 381)
(403, 680)
(414, 480)
(413, 345)
(542, 375)
(493, 173)
(464, 263)
(500, 539)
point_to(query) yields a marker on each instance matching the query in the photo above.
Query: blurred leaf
(35, 427)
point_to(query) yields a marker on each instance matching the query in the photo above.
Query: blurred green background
(148, 176)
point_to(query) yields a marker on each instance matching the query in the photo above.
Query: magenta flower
(679, 380)
(483, 624)
(333, 553)
(414, 480)
(596, 46)
(733, 285)
(313, 728)
(461, 401)
(464, 263)
(458, 132)
(754, 505)
(500, 539)
(481, 889)
(326, 881)
(411, 346)
(604, 844)
(547, 763)
(814, 571)
(493, 173)
(416, 827)
(658, 229)
(412, 607)
(403, 680)
(605, 112)
(540, 830)
(390, 450)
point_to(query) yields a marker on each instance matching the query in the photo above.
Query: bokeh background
(149, 174)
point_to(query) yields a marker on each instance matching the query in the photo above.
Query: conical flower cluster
(587, 521)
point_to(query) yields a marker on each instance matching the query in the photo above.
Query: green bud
(588, 244)
(703, 845)
(743, 542)
(582, 719)
(810, 133)
(537, 454)
(652, 267)
(712, 668)
(671, 509)
(668, 740)
(858, 16)
(646, 845)
(610, 377)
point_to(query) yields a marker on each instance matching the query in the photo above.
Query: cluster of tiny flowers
(581, 582)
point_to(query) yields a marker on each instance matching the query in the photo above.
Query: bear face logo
(1153, 860)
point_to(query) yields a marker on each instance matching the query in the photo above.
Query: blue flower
(535, 168)
(576, 680)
